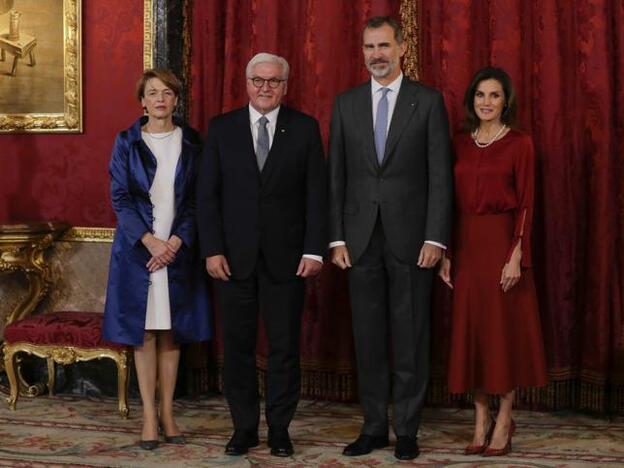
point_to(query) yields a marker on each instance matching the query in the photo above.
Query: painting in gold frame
(41, 66)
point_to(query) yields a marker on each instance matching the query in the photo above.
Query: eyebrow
(379, 44)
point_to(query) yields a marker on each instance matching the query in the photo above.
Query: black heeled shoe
(148, 444)
(176, 439)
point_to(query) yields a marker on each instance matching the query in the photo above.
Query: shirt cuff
(336, 244)
(317, 258)
(437, 244)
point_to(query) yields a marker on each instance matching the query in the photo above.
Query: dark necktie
(262, 145)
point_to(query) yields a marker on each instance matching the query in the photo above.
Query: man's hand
(429, 255)
(340, 257)
(309, 267)
(444, 271)
(218, 268)
(162, 253)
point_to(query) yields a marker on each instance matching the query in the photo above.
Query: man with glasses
(261, 213)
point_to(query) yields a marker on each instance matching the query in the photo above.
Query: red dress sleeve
(524, 180)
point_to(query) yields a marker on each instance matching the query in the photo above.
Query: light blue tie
(381, 125)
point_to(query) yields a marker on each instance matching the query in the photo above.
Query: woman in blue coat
(156, 297)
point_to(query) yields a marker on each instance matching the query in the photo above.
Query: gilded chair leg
(122, 384)
(51, 376)
(9, 366)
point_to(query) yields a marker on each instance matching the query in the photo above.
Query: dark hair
(378, 21)
(163, 74)
(508, 116)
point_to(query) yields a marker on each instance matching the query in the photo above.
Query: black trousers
(280, 304)
(390, 303)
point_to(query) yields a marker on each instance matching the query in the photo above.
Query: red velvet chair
(63, 338)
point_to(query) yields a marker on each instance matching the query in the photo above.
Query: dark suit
(385, 213)
(263, 222)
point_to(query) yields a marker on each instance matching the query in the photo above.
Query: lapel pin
(282, 130)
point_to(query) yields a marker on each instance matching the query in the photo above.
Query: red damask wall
(65, 177)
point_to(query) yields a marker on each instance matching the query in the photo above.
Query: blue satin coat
(132, 169)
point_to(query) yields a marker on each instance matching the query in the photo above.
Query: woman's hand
(511, 271)
(444, 271)
(175, 243)
(162, 253)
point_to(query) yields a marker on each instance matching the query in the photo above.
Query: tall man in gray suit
(390, 215)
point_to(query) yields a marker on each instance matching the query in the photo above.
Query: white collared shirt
(254, 118)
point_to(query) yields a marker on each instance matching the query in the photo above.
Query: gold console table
(22, 248)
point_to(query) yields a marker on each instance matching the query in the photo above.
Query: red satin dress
(496, 342)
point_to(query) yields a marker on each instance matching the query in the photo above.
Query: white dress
(166, 148)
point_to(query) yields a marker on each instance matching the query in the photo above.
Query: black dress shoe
(280, 443)
(241, 442)
(365, 444)
(177, 439)
(406, 448)
(148, 444)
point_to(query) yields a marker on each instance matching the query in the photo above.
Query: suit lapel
(243, 128)
(364, 114)
(406, 104)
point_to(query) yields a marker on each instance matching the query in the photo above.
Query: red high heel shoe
(477, 449)
(490, 452)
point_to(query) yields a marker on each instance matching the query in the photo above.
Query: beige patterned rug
(70, 431)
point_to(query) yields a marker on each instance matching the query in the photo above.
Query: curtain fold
(567, 62)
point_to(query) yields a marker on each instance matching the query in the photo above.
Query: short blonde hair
(163, 74)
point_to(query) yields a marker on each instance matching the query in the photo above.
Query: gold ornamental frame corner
(71, 120)
(148, 34)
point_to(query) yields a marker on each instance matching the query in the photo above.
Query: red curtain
(567, 62)
(321, 39)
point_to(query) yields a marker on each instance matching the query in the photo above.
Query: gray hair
(265, 57)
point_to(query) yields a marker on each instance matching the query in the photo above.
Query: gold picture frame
(65, 113)
(148, 34)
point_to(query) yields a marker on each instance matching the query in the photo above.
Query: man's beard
(381, 72)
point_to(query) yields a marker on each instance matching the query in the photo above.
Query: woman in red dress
(496, 342)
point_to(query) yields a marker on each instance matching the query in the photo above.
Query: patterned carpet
(77, 432)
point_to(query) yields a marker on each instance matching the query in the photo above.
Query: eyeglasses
(272, 82)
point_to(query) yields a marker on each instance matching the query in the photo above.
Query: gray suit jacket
(411, 190)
